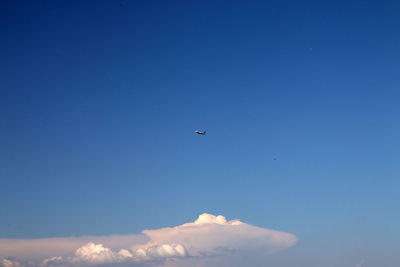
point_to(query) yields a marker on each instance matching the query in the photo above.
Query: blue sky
(99, 103)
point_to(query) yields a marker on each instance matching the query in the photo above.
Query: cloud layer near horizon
(208, 236)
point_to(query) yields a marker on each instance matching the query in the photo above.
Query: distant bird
(200, 132)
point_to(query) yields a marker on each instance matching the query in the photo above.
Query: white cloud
(209, 233)
(52, 261)
(38, 249)
(153, 251)
(10, 263)
(96, 254)
(206, 237)
(93, 253)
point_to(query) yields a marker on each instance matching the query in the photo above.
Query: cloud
(38, 249)
(210, 233)
(207, 237)
(166, 250)
(93, 253)
(52, 261)
(96, 254)
(10, 263)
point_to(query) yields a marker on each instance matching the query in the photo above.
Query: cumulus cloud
(52, 261)
(209, 233)
(153, 251)
(38, 249)
(208, 236)
(11, 263)
(93, 253)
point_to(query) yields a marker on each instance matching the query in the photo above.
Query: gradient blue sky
(99, 101)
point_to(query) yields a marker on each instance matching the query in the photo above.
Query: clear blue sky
(99, 102)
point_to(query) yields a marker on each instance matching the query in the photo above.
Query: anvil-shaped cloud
(206, 237)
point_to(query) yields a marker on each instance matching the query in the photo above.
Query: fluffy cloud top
(210, 232)
(207, 236)
(93, 253)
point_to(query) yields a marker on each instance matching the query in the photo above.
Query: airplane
(200, 132)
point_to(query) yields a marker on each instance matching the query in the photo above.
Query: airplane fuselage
(200, 132)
